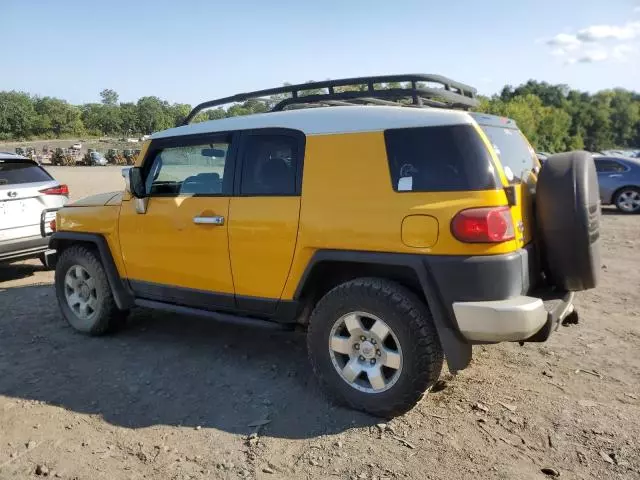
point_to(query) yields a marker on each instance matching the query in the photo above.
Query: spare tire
(568, 219)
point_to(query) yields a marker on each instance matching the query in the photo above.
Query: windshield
(512, 149)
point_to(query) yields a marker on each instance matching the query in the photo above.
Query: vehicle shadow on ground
(164, 369)
(17, 271)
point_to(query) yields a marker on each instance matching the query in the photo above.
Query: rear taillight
(57, 190)
(483, 225)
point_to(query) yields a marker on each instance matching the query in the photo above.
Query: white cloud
(619, 53)
(594, 56)
(596, 33)
(622, 52)
(564, 40)
(597, 43)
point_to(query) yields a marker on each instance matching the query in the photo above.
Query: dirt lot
(173, 397)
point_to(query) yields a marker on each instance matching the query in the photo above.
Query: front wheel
(374, 346)
(627, 200)
(84, 294)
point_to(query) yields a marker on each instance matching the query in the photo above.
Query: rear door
(517, 160)
(264, 215)
(25, 190)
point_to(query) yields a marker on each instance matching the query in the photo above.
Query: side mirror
(134, 183)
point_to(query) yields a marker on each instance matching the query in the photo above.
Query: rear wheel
(627, 200)
(374, 347)
(84, 294)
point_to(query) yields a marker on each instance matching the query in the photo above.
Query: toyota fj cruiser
(396, 225)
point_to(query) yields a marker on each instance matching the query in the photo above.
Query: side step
(218, 316)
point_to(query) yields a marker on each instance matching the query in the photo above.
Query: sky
(190, 51)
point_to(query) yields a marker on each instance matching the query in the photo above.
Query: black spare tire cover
(568, 217)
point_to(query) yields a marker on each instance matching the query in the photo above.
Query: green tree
(109, 97)
(129, 118)
(549, 95)
(92, 117)
(179, 112)
(625, 117)
(102, 119)
(599, 134)
(153, 115)
(17, 115)
(57, 117)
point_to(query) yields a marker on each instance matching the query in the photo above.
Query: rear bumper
(23, 248)
(515, 319)
(497, 298)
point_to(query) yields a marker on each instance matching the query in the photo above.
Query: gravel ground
(173, 397)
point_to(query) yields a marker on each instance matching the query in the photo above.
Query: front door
(177, 250)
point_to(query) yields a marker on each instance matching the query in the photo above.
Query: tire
(568, 215)
(102, 316)
(411, 327)
(627, 200)
(43, 262)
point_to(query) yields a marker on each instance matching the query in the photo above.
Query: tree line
(553, 117)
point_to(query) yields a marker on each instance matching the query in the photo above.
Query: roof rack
(371, 90)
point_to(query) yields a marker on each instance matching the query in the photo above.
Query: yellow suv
(396, 225)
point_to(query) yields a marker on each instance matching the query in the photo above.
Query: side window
(270, 164)
(439, 159)
(609, 166)
(188, 170)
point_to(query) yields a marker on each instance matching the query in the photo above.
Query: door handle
(214, 220)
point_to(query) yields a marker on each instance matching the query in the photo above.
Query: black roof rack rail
(450, 94)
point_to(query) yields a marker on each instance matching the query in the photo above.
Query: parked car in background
(26, 190)
(98, 159)
(76, 146)
(619, 180)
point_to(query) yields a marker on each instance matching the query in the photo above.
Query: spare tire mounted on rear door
(568, 214)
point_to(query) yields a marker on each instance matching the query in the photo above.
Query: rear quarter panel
(348, 203)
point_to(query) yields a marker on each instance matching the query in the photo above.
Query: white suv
(27, 192)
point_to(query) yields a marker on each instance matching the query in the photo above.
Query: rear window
(439, 159)
(14, 172)
(514, 152)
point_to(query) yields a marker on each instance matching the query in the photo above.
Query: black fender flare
(457, 350)
(119, 288)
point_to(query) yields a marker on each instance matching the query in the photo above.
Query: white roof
(330, 120)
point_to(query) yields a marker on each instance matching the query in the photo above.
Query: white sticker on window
(507, 132)
(509, 173)
(405, 184)
(497, 149)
